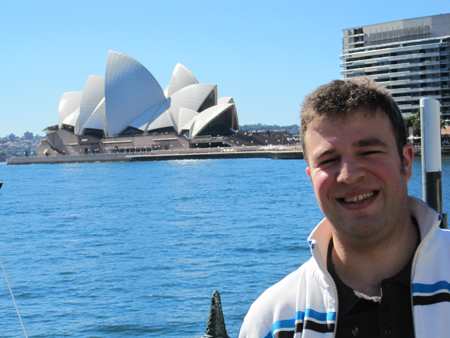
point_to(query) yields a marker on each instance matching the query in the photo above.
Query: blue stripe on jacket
(430, 288)
(289, 324)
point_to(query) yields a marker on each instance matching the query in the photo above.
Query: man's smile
(358, 198)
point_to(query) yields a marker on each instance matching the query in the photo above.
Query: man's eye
(324, 162)
(371, 152)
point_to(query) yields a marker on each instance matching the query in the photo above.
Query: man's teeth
(358, 198)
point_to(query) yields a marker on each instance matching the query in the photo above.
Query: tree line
(293, 129)
(413, 121)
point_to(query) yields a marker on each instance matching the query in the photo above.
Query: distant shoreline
(284, 152)
(445, 150)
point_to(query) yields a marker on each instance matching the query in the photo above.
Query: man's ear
(408, 157)
(308, 172)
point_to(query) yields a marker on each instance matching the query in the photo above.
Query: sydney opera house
(127, 111)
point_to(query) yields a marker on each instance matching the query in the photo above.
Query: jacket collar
(427, 218)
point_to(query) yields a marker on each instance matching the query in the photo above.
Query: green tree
(414, 122)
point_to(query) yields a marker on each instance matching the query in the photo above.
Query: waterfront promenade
(445, 150)
(275, 152)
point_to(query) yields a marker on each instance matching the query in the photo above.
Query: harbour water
(136, 249)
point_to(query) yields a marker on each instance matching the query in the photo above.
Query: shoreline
(285, 153)
(445, 150)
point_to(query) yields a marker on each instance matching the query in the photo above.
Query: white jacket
(305, 302)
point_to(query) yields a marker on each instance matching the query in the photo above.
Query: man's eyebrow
(369, 142)
(357, 144)
(323, 153)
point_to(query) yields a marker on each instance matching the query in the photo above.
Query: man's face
(356, 173)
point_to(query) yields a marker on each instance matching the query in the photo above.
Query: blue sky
(267, 55)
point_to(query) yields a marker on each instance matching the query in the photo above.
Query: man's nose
(350, 170)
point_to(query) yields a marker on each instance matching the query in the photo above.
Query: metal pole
(431, 154)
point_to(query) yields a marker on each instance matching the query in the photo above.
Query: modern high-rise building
(408, 57)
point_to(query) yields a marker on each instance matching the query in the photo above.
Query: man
(380, 263)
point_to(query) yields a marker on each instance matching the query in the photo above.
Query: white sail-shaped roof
(188, 125)
(67, 105)
(93, 94)
(71, 120)
(226, 99)
(181, 77)
(130, 89)
(185, 119)
(97, 118)
(150, 115)
(129, 99)
(190, 97)
(163, 121)
(207, 117)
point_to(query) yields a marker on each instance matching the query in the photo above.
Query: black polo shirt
(359, 317)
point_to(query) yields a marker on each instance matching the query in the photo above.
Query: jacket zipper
(433, 228)
(319, 262)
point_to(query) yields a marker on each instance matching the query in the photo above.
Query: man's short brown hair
(337, 98)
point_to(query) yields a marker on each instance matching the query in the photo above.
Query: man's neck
(364, 270)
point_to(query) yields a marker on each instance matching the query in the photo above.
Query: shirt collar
(347, 296)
